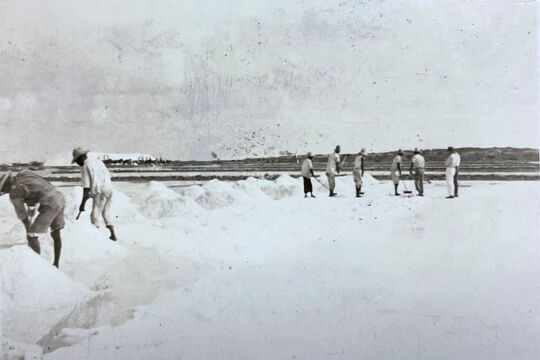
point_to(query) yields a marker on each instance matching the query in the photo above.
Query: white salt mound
(284, 186)
(123, 209)
(219, 194)
(192, 191)
(35, 295)
(159, 201)
(252, 188)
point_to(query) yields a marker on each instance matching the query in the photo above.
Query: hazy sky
(182, 79)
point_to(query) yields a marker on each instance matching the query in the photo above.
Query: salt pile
(219, 194)
(252, 188)
(158, 201)
(283, 186)
(35, 295)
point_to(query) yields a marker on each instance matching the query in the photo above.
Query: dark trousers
(419, 180)
(456, 184)
(308, 188)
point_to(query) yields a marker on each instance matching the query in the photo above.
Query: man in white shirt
(395, 171)
(417, 165)
(358, 172)
(450, 165)
(332, 169)
(307, 173)
(96, 183)
(457, 163)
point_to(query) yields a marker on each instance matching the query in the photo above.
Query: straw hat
(77, 153)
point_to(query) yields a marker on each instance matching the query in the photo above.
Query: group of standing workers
(417, 169)
(29, 192)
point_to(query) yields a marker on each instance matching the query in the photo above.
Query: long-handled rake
(406, 191)
(320, 182)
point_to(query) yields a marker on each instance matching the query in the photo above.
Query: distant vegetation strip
(465, 177)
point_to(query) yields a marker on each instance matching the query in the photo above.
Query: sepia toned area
(269, 180)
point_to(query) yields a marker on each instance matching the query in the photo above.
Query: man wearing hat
(307, 173)
(451, 163)
(96, 183)
(358, 172)
(395, 171)
(26, 191)
(457, 163)
(332, 169)
(417, 165)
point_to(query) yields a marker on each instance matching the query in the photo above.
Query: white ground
(251, 270)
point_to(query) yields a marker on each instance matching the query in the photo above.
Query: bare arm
(86, 196)
(20, 210)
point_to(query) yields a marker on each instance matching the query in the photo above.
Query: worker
(26, 191)
(450, 165)
(457, 163)
(395, 171)
(358, 172)
(417, 168)
(332, 169)
(307, 173)
(96, 183)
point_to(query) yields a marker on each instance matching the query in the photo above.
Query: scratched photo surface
(283, 179)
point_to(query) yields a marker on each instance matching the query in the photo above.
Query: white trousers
(450, 173)
(101, 205)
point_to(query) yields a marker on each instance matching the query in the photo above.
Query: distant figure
(27, 190)
(358, 172)
(395, 171)
(96, 183)
(307, 173)
(332, 169)
(417, 166)
(457, 163)
(451, 164)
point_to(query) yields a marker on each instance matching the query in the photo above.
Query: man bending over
(27, 190)
(96, 183)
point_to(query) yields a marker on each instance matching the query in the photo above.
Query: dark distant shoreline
(487, 164)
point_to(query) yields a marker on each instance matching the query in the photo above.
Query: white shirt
(96, 176)
(307, 165)
(358, 163)
(418, 161)
(457, 159)
(333, 159)
(449, 163)
(453, 160)
(395, 162)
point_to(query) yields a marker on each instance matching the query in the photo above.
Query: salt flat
(252, 270)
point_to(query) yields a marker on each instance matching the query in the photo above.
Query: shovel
(406, 191)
